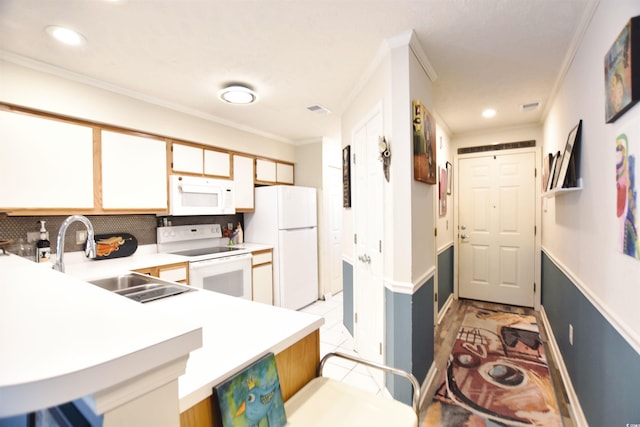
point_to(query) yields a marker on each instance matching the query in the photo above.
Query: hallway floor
(335, 337)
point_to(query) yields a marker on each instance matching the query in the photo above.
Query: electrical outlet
(570, 334)
(81, 236)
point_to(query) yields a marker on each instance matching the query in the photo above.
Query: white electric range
(213, 264)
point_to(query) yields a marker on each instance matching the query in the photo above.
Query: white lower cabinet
(262, 280)
(178, 272)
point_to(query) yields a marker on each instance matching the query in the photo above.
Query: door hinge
(435, 231)
(355, 239)
(435, 297)
(535, 230)
(380, 246)
(356, 318)
(534, 287)
(535, 172)
(380, 349)
(354, 158)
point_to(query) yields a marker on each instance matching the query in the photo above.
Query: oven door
(230, 275)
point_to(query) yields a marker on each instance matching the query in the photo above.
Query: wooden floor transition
(445, 334)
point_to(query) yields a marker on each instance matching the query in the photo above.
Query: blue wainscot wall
(409, 337)
(445, 276)
(604, 368)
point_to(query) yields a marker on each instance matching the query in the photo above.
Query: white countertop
(236, 333)
(63, 338)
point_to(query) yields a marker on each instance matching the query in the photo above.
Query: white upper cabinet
(273, 172)
(187, 158)
(265, 170)
(45, 163)
(134, 172)
(284, 173)
(217, 163)
(243, 174)
(200, 160)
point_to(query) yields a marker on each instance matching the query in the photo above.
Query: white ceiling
(297, 53)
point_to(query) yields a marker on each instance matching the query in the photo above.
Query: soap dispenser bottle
(43, 245)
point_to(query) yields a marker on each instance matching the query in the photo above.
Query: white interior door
(497, 228)
(369, 284)
(335, 229)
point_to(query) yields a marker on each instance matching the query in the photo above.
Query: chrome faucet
(90, 248)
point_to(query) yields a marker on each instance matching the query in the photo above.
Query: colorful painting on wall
(424, 145)
(497, 375)
(622, 71)
(443, 191)
(626, 206)
(253, 397)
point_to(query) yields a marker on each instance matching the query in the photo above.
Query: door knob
(365, 258)
(464, 236)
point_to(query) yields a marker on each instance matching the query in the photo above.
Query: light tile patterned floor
(335, 337)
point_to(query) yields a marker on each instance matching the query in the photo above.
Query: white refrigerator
(285, 217)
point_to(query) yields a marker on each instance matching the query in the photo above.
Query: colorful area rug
(496, 375)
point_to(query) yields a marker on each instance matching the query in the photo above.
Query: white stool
(324, 402)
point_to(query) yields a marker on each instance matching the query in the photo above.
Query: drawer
(262, 257)
(177, 274)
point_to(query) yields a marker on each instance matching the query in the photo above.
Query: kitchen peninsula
(70, 339)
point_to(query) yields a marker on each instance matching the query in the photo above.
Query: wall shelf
(560, 191)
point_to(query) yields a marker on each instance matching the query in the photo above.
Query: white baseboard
(431, 376)
(444, 309)
(574, 404)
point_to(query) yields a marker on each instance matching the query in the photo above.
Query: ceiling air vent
(318, 109)
(531, 106)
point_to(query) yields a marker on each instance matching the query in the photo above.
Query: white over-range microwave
(193, 195)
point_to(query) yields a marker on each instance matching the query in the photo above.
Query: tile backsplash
(143, 227)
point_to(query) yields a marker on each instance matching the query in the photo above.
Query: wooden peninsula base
(297, 365)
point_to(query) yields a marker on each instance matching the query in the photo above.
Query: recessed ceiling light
(488, 113)
(66, 35)
(237, 94)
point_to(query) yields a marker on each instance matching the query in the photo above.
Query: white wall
(408, 205)
(423, 196)
(511, 134)
(35, 89)
(580, 230)
(444, 223)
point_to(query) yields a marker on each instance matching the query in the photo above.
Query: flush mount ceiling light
(66, 35)
(237, 94)
(488, 113)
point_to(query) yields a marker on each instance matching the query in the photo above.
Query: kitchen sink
(141, 287)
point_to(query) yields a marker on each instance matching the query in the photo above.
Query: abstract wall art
(425, 168)
(626, 192)
(622, 71)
